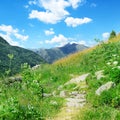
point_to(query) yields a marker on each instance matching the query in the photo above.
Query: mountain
(20, 56)
(53, 54)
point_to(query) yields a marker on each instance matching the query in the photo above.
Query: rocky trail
(75, 99)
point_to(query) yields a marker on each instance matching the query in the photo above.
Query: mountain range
(53, 54)
(32, 57)
(20, 56)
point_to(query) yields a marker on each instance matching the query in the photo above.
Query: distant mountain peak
(53, 54)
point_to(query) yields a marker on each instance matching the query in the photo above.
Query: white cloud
(49, 32)
(26, 6)
(47, 17)
(105, 35)
(81, 42)
(74, 22)
(9, 39)
(21, 37)
(32, 2)
(7, 31)
(55, 10)
(93, 5)
(60, 39)
(75, 3)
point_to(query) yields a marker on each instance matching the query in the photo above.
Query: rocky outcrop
(105, 87)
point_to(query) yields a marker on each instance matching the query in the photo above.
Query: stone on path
(104, 87)
(99, 74)
(78, 79)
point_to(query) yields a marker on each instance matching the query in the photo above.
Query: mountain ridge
(53, 54)
(20, 56)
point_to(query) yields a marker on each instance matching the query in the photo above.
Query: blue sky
(53, 23)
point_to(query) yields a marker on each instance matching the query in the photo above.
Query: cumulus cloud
(75, 3)
(60, 39)
(105, 35)
(74, 22)
(49, 32)
(21, 37)
(54, 10)
(46, 17)
(9, 39)
(7, 31)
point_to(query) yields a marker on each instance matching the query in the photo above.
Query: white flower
(118, 67)
(108, 63)
(115, 62)
(114, 55)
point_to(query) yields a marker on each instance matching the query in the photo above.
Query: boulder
(99, 74)
(105, 87)
(13, 79)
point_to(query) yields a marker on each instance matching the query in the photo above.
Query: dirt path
(74, 102)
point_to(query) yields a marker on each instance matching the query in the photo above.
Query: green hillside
(20, 56)
(38, 96)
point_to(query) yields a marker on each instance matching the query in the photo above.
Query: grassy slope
(25, 99)
(105, 107)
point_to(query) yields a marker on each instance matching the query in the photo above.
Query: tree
(112, 34)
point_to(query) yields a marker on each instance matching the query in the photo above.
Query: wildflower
(118, 67)
(115, 62)
(114, 55)
(108, 63)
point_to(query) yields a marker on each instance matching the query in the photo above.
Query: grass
(25, 99)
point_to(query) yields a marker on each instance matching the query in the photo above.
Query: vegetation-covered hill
(20, 56)
(38, 96)
(53, 54)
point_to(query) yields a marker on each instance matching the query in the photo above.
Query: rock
(35, 67)
(14, 79)
(46, 95)
(78, 79)
(74, 102)
(99, 74)
(74, 93)
(63, 93)
(104, 87)
(60, 87)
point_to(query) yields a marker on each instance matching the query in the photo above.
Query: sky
(54, 23)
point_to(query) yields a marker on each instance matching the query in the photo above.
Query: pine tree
(112, 34)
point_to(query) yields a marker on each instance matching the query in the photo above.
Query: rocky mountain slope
(53, 54)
